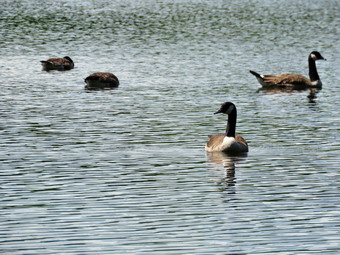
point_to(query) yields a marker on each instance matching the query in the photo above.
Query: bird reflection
(276, 90)
(229, 163)
(312, 95)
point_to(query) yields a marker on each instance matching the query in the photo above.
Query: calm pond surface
(124, 171)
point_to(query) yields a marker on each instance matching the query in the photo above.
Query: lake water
(124, 171)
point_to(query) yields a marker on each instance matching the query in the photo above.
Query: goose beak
(219, 111)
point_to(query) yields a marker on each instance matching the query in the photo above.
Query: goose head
(226, 108)
(315, 55)
(68, 58)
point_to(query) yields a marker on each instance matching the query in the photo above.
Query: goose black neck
(231, 125)
(313, 73)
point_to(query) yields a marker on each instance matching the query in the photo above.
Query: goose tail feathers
(257, 75)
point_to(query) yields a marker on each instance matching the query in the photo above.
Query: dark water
(124, 171)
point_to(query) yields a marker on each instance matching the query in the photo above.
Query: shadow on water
(229, 163)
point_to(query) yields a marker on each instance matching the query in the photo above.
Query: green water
(124, 171)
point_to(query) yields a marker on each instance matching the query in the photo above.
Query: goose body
(60, 64)
(228, 142)
(224, 143)
(101, 80)
(293, 80)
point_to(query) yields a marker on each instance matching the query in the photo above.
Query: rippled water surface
(124, 171)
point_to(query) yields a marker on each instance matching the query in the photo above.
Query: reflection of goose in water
(229, 164)
(311, 96)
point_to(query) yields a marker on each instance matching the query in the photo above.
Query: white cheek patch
(313, 56)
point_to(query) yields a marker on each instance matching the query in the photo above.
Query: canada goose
(228, 142)
(101, 80)
(60, 64)
(294, 80)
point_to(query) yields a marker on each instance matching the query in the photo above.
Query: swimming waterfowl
(101, 80)
(294, 80)
(228, 142)
(60, 64)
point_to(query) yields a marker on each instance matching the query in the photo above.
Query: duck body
(59, 64)
(293, 80)
(228, 142)
(101, 80)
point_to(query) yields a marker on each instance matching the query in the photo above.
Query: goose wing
(241, 140)
(215, 141)
(286, 79)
